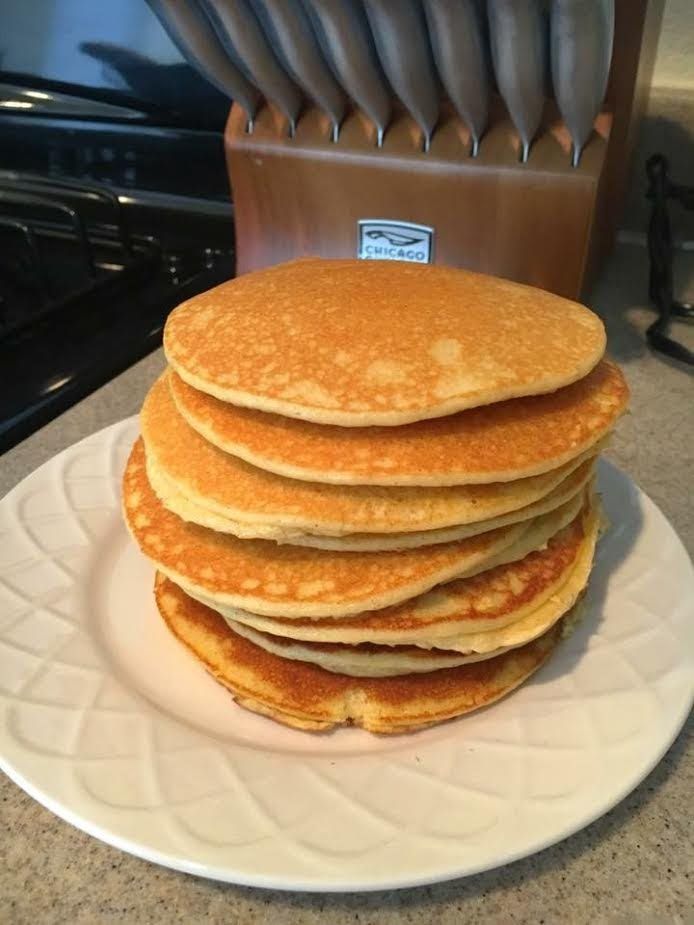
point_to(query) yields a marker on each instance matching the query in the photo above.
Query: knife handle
(582, 35)
(192, 33)
(519, 57)
(457, 39)
(344, 35)
(240, 33)
(400, 34)
(289, 32)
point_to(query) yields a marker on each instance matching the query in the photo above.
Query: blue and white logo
(381, 239)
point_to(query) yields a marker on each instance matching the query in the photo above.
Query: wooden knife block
(542, 222)
(305, 195)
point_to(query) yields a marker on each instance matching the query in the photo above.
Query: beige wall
(668, 125)
(674, 65)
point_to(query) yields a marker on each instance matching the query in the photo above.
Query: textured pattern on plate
(106, 720)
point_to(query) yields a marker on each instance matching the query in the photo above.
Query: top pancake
(498, 443)
(359, 343)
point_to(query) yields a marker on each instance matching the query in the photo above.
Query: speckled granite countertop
(634, 865)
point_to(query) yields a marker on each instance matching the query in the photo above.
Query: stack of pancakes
(368, 487)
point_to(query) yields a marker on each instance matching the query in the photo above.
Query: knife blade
(344, 34)
(582, 35)
(457, 40)
(289, 31)
(518, 55)
(400, 35)
(191, 32)
(239, 32)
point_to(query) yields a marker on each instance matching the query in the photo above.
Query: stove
(87, 278)
(114, 200)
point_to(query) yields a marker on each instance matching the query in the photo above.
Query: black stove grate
(87, 278)
(61, 246)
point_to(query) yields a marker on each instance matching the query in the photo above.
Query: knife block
(307, 194)
(542, 222)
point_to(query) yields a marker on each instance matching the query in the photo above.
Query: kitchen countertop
(636, 864)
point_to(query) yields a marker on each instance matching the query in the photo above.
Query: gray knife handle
(518, 54)
(191, 32)
(582, 34)
(289, 31)
(345, 37)
(457, 39)
(240, 33)
(400, 33)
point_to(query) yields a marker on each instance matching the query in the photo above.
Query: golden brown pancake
(308, 697)
(382, 661)
(358, 343)
(238, 491)
(275, 580)
(500, 442)
(486, 602)
(365, 660)
(175, 501)
(535, 535)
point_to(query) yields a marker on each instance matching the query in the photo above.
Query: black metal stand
(661, 253)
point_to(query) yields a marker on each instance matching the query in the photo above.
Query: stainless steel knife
(239, 32)
(518, 55)
(400, 34)
(457, 39)
(582, 34)
(192, 33)
(289, 31)
(345, 37)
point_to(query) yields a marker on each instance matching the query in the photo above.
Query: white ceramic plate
(111, 724)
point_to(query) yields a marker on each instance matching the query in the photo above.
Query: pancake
(188, 510)
(497, 443)
(358, 343)
(294, 581)
(369, 660)
(410, 565)
(308, 697)
(362, 661)
(226, 485)
(514, 585)
(533, 536)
